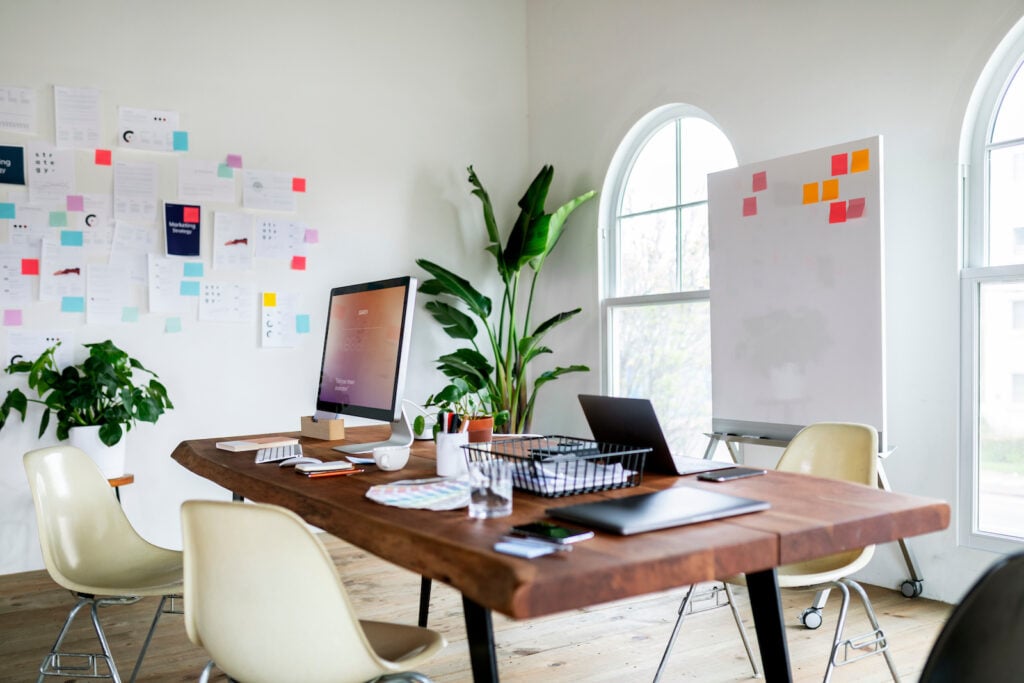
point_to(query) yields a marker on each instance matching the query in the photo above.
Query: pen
(456, 421)
(334, 473)
(464, 425)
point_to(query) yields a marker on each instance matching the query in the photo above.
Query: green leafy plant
(100, 391)
(494, 372)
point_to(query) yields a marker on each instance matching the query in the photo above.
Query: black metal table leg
(424, 600)
(480, 633)
(766, 603)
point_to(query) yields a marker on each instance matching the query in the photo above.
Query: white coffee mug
(451, 460)
(390, 458)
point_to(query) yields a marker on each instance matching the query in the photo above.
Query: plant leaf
(551, 375)
(528, 238)
(457, 324)
(456, 286)
(110, 433)
(556, 226)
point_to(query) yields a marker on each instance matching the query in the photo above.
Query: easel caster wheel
(911, 588)
(811, 618)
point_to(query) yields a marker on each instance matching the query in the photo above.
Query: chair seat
(409, 646)
(157, 571)
(817, 573)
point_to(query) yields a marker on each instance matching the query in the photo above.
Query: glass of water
(490, 488)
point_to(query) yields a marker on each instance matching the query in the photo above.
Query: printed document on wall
(167, 294)
(232, 240)
(61, 271)
(77, 117)
(50, 173)
(29, 226)
(15, 285)
(279, 239)
(135, 192)
(277, 325)
(200, 182)
(268, 191)
(107, 293)
(30, 344)
(148, 129)
(17, 110)
(130, 248)
(227, 302)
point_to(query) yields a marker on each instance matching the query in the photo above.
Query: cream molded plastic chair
(264, 599)
(90, 548)
(833, 450)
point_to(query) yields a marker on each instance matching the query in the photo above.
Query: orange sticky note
(30, 266)
(103, 157)
(190, 214)
(750, 206)
(810, 193)
(298, 262)
(839, 164)
(855, 208)
(829, 189)
(269, 299)
(298, 184)
(861, 161)
(837, 212)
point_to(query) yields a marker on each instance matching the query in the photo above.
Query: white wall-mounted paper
(135, 192)
(267, 191)
(232, 240)
(77, 117)
(147, 129)
(17, 110)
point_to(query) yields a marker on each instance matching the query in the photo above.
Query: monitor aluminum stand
(401, 435)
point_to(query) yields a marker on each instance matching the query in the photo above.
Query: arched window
(992, 305)
(655, 289)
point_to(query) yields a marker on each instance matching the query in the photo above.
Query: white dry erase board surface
(797, 291)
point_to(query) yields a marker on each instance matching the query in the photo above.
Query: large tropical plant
(494, 367)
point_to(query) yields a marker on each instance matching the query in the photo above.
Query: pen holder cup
(451, 460)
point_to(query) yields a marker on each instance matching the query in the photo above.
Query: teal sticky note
(130, 314)
(189, 288)
(71, 238)
(72, 304)
(172, 325)
(58, 219)
(225, 171)
(302, 323)
(193, 269)
(180, 141)
(7, 210)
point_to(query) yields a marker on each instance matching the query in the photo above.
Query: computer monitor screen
(366, 346)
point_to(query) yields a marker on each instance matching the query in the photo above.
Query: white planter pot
(109, 458)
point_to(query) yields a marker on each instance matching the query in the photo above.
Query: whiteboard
(797, 292)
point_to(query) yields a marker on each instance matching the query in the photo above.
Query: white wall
(380, 105)
(780, 78)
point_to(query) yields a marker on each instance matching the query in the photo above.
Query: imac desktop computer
(366, 349)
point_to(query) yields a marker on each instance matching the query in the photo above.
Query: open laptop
(632, 422)
(658, 510)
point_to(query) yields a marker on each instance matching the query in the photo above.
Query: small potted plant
(93, 403)
(472, 404)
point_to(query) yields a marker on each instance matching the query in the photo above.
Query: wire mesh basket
(555, 466)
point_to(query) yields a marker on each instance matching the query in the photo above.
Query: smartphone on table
(551, 532)
(730, 473)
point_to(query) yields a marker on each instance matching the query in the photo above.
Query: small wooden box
(328, 430)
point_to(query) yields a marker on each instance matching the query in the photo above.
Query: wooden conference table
(809, 518)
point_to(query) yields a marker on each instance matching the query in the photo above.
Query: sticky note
(12, 317)
(72, 304)
(189, 288)
(829, 189)
(837, 212)
(71, 238)
(235, 160)
(225, 171)
(760, 181)
(298, 184)
(810, 193)
(180, 141)
(130, 314)
(30, 266)
(298, 262)
(6, 210)
(312, 236)
(302, 323)
(103, 157)
(76, 202)
(190, 214)
(750, 206)
(58, 219)
(861, 161)
(269, 299)
(839, 164)
(855, 208)
(172, 325)
(193, 269)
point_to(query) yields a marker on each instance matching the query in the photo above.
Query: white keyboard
(278, 453)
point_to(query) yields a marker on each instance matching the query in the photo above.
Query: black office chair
(983, 640)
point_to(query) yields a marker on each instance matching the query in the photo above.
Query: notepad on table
(238, 445)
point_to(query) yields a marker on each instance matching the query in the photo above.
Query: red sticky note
(103, 157)
(298, 262)
(190, 214)
(837, 212)
(855, 208)
(839, 164)
(750, 206)
(760, 181)
(298, 184)
(30, 266)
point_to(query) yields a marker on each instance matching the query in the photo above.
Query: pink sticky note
(103, 157)
(298, 262)
(839, 164)
(855, 208)
(76, 202)
(190, 214)
(750, 206)
(30, 266)
(12, 317)
(312, 236)
(235, 160)
(760, 181)
(837, 212)
(298, 184)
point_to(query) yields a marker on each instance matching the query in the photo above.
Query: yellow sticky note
(269, 299)
(810, 193)
(829, 189)
(861, 161)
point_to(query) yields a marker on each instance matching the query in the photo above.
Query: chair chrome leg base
(57, 663)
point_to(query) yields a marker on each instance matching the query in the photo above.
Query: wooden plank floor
(618, 642)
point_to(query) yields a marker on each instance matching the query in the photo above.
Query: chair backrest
(834, 450)
(262, 596)
(983, 640)
(83, 531)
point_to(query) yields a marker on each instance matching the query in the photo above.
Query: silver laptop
(658, 510)
(632, 422)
